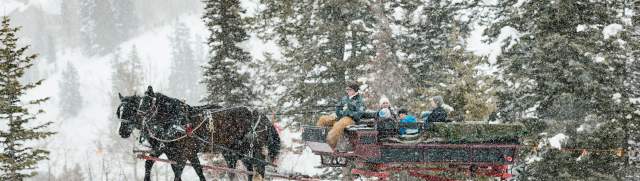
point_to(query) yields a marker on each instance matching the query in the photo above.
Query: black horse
(237, 132)
(179, 150)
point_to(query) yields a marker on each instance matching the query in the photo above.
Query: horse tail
(274, 142)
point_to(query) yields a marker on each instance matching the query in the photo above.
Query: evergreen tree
(17, 157)
(70, 99)
(127, 76)
(325, 46)
(73, 174)
(387, 75)
(226, 83)
(51, 51)
(184, 77)
(106, 27)
(572, 75)
(428, 26)
(126, 20)
(466, 89)
(126, 79)
(71, 21)
(267, 74)
(88, 26)
(99, 31)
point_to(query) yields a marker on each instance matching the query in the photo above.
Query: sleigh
(441, 151)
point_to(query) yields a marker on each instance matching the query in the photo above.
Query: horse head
(127, 113)
(147, 102)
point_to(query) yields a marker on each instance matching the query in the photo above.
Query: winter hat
(354, 86)
(403, 111)
(438, 100)
(383, 99)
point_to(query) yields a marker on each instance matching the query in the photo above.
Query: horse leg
(177, 170)
(260, 167)
(231, 163)
(149, 164)
(249, 166)
(195, 163)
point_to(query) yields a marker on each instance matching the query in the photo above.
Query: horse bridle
(153, 108)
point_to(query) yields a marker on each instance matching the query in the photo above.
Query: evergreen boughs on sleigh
(474, 132)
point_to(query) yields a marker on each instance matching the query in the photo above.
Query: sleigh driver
(348, 111)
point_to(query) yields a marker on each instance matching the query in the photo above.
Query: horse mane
(173, 101)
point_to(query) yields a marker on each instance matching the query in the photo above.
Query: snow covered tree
(105, 27)
(183, 77)
(127, 76)
(51, 50)
(88, 26)
(125, 18)
(387, 75)
(99, 26)
(464, 87)
(325, 46)
(226, 81)
(17, 157)
(428, 27)
(70, 99)
(568, 66)
(71, 21)
(72, 174)
(267, 75)
(127, 79)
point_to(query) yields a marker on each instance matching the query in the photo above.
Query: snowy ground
(77, 138)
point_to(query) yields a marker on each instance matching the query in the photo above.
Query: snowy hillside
(78, 138)
(567, 71)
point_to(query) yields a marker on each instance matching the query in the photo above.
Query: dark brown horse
(237, 132)
(179, 150)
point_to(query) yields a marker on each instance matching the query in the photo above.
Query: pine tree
(572, 76)
(52, 56)
(105, 28)
(17, 157)
(99, 31)
(70, 99)
(126, 79)
(387, 75)
(88, 27)
(73, 174)
(125, 18)
(267, 76)
(465, 88)
(71, 21)
(428, 26)
(127, 76)
(226, 83)
(325, 46)
(183, 77)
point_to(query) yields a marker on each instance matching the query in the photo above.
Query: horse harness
(209, 115)
(154, 111)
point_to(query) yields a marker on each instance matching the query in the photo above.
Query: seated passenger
(386, 111)
(438, 114)
(425, 118)
(405, 117)
(386, 119)
(348, 111)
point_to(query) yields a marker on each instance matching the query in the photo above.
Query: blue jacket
(407, 119)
